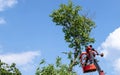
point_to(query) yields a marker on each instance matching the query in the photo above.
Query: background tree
(5, 69)
(76, 27)
(50, 69)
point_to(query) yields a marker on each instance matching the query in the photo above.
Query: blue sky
(27, 33)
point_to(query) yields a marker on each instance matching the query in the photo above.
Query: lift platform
(92, 64)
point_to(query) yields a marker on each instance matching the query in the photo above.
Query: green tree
(76, 27)
(5, 69)
(50, 69)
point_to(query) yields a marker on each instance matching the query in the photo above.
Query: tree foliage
(57, 69)
(76, 27)
(5, 69)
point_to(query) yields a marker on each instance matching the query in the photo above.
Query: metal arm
(101, 72)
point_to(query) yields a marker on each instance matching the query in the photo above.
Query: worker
(88, 50)
(94, 52)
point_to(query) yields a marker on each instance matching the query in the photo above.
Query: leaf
(58, 61)
(42, 61)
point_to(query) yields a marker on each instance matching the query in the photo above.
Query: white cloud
(7, 3)
(25, 61)
(2, 21)
(111, 49)
(117, 65)
(20, 58)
